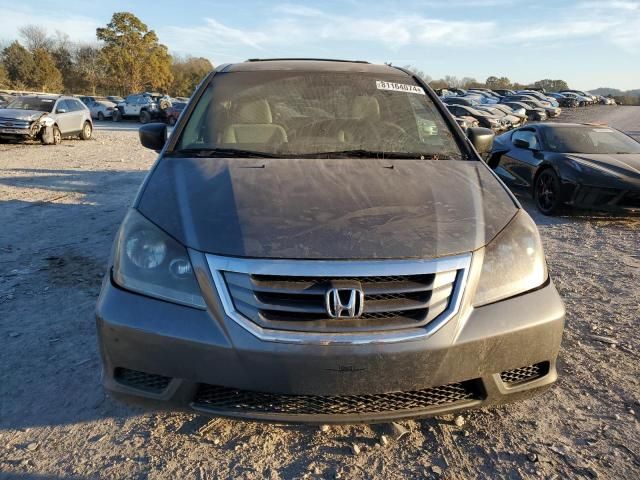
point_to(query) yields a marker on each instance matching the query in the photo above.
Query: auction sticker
(399, 87)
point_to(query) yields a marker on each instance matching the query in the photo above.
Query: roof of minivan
(311, 65)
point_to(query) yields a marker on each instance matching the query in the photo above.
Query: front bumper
(176, 357)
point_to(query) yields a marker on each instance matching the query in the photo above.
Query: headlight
(150, 262)
(513, 262)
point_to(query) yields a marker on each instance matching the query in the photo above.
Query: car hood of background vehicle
(327, 209)
(18, 114)
(618, 163)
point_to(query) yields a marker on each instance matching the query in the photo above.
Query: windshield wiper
(360, 153)
(206, 152)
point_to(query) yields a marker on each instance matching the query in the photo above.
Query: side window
(63, 105)
(528, 136)
(79, 105)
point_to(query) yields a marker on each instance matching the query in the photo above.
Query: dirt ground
(59, 211)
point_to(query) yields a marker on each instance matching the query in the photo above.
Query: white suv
(142, 107)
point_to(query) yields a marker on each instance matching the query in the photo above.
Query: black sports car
(589, 166)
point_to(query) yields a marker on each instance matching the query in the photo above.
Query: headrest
(366, 107)
(256, 111)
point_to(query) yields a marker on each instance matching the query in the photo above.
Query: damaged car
(46, 118)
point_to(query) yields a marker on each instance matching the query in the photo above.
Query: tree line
(492, 82)
(127, 57)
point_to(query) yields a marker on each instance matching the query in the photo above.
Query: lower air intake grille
(231, 400)
(141, 380)
(525, 374)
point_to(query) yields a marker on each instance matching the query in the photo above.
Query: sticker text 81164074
(399, 87)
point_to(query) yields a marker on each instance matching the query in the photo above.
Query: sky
(588, 43)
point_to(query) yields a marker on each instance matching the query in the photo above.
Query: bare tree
(35, 37)
(426, 78)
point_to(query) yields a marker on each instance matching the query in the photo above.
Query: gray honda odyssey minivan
(318, 241)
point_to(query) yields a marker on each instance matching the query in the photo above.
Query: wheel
(172, 121)
(145, 117)
(117, 116)
(101, 116)
(56, 137)
(87, 130)
(546, 192)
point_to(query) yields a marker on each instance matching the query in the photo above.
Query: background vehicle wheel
(87, 130)
(546, 192)
(145, 117)
(101, 116)
(117, 116)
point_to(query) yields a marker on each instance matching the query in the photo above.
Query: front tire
(101, 116)
(117, 116)
(145, 117)
(87, 131)
(546, 192)
(56, 137)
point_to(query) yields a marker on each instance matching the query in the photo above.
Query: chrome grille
(13, 123)
(298, 303)
(289, 300)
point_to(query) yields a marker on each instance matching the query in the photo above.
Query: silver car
(48, 118)
(101, 109)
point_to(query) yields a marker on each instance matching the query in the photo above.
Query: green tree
(187, 73)
(4, 78)
(46, 76)
(551, 85)
(19, 65)
(132, 56)
(495, 82)
(89, 68)
(62, 50)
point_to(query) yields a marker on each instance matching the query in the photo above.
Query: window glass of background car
(589, 140)
(306, 113)
(528, 136)
(62, 107)
(74, 105)
(32, 103)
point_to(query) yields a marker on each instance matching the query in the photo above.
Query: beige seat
(253, 123)
(365, 108)
(367, 111)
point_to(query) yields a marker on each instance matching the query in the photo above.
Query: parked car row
(504, 109)
(144, 107)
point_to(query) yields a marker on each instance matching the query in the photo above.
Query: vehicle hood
(19, 114)
(327, 209)
(625, 165)
(106, 103)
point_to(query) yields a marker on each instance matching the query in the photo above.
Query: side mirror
(153, 136)
(61, 110)
(518, 142)
(481, 138)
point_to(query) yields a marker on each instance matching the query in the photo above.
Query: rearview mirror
(481, 138)
(520, 143)
(61, 110)
(153, 136)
